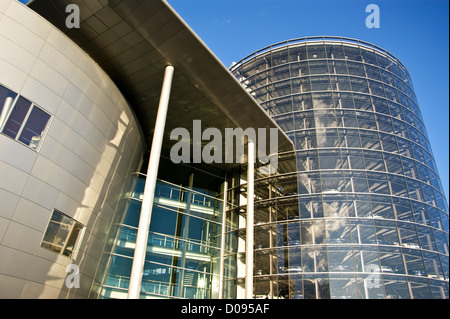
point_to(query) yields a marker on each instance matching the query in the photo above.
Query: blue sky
(415, 31)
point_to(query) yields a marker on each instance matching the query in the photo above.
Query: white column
(250, 221)
(149, 189)
(222, 239)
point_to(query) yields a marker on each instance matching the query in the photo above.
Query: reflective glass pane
(391, 93)
(286, 122)
(299, 69)
(356, 69)
(34, 128)
(398, 185)
(439, 289)
(369, 57)
(363, 232)
(426, 238)
(359, 85)
(72, 240)
(404, 147)
(120, 271)
(338, 231)
(408, 235)
(389, 143)
(410, 168)
(164, 221)
(15, 120)
(323, 288)
(373, 161)
(62, 234)
(332, 183)
(340, 259)
(386, 232)
(341, 83)
(433, 265)
(352, 53)
(56, 235)
(377, 183)
(316, 51)
(6, 101)
(391, 260)
(325, 118)
(400, 128)
(382, 207)
(385, 123)
(350, 121)
(359, 181)
(318, 67)
(393, 163)
(370, 284)
(327, 138)
(343, 287)
(414, 262)
(370, 140)
(157, 279)
(396, 287)
(366, 120)
(403, 209)
(334, 51)
(372, 72)
(331, 159)
(309, 289)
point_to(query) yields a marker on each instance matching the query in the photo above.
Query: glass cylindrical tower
(372, 219)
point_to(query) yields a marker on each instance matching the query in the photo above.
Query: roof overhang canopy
(134, 40)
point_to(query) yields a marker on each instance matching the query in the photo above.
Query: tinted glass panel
(17, 117)
(34, 128)
(6, 99)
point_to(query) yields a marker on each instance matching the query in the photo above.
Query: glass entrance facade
(183, 252)
(369, 219)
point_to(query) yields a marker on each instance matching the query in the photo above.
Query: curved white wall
(93, 143)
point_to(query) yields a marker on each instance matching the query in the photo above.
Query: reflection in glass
(7, 98)
(62, 235)
(16, 117)
(182, 247)
(373, 216)
(20, 119)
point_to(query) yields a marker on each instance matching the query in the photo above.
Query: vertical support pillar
(222, 238)
(250, 220)
(149, 189)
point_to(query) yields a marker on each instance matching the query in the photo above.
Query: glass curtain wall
(183, 252)
(369, 219)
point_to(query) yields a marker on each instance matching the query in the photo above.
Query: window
(63, 235)
(21, 119)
